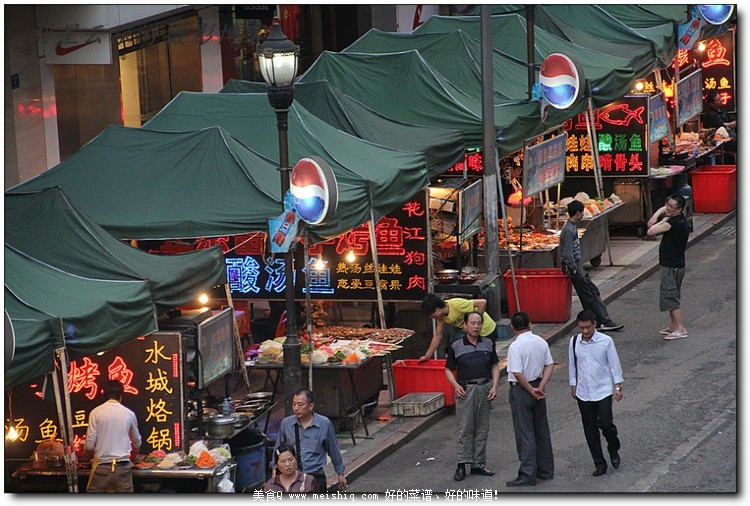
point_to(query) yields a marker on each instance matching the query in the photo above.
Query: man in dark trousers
(111, 435)
(475, 383)
(314, 436)
(671, 224)
(594, 375)
(529, 370)
(570, 255)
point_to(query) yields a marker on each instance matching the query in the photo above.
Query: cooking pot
(241, 421)
(55, 462)
(221, 426)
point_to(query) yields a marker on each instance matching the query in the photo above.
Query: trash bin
(249, 452)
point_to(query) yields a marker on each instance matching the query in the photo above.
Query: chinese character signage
(622, 137)
(473, 161)
(717, 64)
(150, 369)
(401, 239)
(689, 97)
(544, 165)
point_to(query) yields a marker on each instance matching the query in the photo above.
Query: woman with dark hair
(287, 477)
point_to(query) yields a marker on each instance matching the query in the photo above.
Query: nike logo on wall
(62, 51)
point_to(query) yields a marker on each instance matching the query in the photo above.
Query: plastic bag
(225, 486)
(197, 448)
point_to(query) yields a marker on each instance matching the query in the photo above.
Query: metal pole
(530, 54)
(490, 178)
(507, 238)
(291, 346)
(238, 340)
(308, 316)
(376, 262)
(72, 461)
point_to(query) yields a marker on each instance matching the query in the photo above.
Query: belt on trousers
(480, 381)
(514, 383)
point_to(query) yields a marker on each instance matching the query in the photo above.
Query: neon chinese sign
(151, 371)
(622, 140)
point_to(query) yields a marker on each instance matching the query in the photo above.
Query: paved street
(677, 421)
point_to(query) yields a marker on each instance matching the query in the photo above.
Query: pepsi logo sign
(716, 14)
(314, 190)
(561, 79)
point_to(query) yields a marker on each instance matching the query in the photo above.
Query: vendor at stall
(112, 434)
(718, 117)
(452, 312)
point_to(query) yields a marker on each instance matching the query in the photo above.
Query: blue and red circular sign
(314, 190)
(561, 79)
(716, 14)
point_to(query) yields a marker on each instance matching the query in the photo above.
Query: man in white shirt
(529, 371)
(112, 434)
(595, 376)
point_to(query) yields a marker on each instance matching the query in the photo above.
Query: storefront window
(156, 63)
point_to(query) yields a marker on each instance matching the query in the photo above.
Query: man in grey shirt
(570, 255)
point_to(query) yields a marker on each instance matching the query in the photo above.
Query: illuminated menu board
(622, 134)
(658, 124)
(401, 238)
(689, 97)
(150, 369)
(544, 165)
(216, 345)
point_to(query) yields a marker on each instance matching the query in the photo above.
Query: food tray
(418, 404)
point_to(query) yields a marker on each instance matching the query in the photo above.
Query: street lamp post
(278, 57)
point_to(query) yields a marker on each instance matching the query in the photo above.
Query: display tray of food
(335, 346)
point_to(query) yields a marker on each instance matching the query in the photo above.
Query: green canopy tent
(610, 76)
(443, 147)
(37, 335)
(456, 55)
(403, 86)
(97, 314)
(373, 180)
(165, 185)
(47, 227)
(591, 27)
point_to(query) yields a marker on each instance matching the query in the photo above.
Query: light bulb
(203, 299)
(639, 86)
(350, 257)
(320, 264)
(12, 434)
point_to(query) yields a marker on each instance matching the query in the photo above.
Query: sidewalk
(633, 260)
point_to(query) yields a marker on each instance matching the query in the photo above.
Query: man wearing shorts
(671, 224)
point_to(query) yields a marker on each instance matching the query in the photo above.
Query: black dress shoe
(481, 471)
(600, 471)
(460, 473)
(615, 459)
(520, 482)
(544, 477)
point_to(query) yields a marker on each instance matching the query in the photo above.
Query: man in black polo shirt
(475, 383)
(670, 222)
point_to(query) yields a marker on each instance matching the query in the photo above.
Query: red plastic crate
(409, 376)
(714, 188)
(546, 295)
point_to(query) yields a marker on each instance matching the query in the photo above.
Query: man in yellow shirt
(452, 312)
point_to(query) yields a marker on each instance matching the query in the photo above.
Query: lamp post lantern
(278, 57)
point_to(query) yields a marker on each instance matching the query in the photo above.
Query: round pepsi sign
(561, 80)
(314, 190)
(716, 14)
